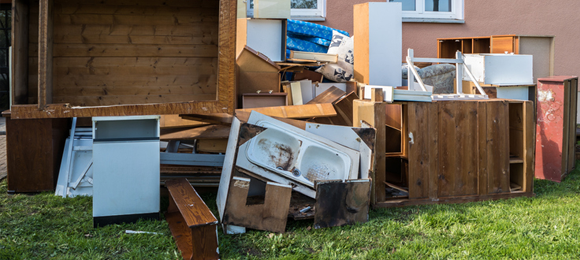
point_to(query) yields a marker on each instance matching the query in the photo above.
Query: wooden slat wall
(33, 52)
(132, 52)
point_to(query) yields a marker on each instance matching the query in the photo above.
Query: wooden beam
(204, 132)
(45, 36)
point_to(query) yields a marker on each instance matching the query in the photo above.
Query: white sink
(297, 157)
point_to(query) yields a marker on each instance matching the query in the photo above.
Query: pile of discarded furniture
(279, 115)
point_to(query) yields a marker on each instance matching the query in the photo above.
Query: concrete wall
(560, 18)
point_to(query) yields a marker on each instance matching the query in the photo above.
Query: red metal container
(556, 127)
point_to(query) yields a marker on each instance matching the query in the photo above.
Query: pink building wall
(560, 18)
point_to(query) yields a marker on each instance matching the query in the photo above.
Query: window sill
(309, 18)
(432, 20)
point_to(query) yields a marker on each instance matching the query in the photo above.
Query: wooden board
(202, 132)
(292, 112)
(420, 131)
(496, 148)
(175, 121)
(271, 215)
(19, 61)
(340, 203)
(192, 224)
(330, 95)
(211, 145)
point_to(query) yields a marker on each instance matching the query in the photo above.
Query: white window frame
(318, 14)
(420, 15)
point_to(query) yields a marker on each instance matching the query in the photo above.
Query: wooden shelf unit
(455, 151)
(84, 58)
(541, 46)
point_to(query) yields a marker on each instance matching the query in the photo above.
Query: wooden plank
(313, 56)
(466, 182)
(269, 216)
(203, 132)
(497, 150)
(447, 149)
(45, 53)
(482, 147)
(141, 50)
(218, 118)
(418, 130)
(433, 119)
(184, 195)
(228, 168)
(211, 145)
(344, 110)
(174, 121)
(19, 60)
(293, 112)
(529, 143)
(328, 96)
(341, 203)
(373, 113)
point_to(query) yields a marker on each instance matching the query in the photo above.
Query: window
(450, 11)
(308, 10)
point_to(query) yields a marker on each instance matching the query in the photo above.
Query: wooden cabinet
(33, 153)
(147, 57)
(542, 47)
(456, 151)
(556, 127)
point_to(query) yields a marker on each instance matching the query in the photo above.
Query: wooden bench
(192, 224)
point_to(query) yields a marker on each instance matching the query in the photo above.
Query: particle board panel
(270, 215)
(40, 141)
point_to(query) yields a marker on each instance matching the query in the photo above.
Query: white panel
(265, 36)
(307, 90)
(519, 93)
(387, 92)
(228, 166)
(126, 178)
(509, 70)
(385, 43)
(500, 69)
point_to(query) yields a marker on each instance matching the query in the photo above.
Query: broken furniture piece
(192, 224)
(340, 203)
(256, 73)
(171, 156)
(455, 151)
(460, 67)
(125, 169)
(76, 172)
(34, 150)
(269, 212)
(119, 78)
(556, 127)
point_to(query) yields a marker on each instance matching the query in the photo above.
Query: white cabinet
(125, 169)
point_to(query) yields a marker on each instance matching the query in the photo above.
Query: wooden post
(45, 37)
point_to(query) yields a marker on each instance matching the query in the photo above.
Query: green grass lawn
(43, 226)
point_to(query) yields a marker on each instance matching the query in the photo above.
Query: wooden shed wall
(130, 51)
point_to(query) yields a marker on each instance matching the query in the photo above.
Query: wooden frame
(45, 108)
